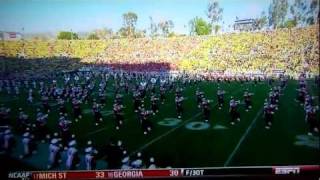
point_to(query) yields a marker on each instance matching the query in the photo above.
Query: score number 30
(174, 172)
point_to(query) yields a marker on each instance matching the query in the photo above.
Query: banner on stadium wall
(278, 71)
(10, 36)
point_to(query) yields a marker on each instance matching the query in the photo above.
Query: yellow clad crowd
(293, 50)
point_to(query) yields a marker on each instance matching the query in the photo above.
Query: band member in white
(8, 141)
(54, 153)
(72, 156)
(152, 164)
(27, 145)
(90, 159)
(126, 163)
(138, 163)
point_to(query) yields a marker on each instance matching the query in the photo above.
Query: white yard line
(164, 134)
(98, 130)
(242, 138)
(172, 130)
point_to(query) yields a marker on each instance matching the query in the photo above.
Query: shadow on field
(149, 66)
(46, 68)
(37, 68)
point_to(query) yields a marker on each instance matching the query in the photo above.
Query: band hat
(54, 141)
(26, 134)
(72, 143)
(125, 160)
(88, 150)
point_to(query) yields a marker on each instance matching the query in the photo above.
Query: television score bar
(170, 173)
(108, 174)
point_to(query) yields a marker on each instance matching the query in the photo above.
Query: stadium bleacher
(291, 49)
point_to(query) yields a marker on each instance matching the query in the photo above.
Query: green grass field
(246, 143)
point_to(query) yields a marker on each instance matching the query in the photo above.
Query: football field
(190, 142)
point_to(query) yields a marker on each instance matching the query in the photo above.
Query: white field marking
(203, 126)
(242, 138)
(103, 112)
(172, 130)
(169, 122)
(306, 140)
(87, 111)
(53, 104)
(96, 131)
(218, 127)
(106, 113)
(164, 134)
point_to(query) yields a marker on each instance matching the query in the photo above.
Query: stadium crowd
(293, 50)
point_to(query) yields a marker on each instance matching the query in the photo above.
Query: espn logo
(286, 170)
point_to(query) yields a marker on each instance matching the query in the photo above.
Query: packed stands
(37, 49)
(292, 50)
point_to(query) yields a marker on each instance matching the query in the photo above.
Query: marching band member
(97, 113)
(72, 155)
(247, 100)
(54, 153)
(76, 109)
(220, 97)
(152, 163)
(179, 107)
(154, 104)
(28, 145)
(90, 157)
(137, 163)
(118, 113)
(8, 141)
(125, 163)
(235, 115)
